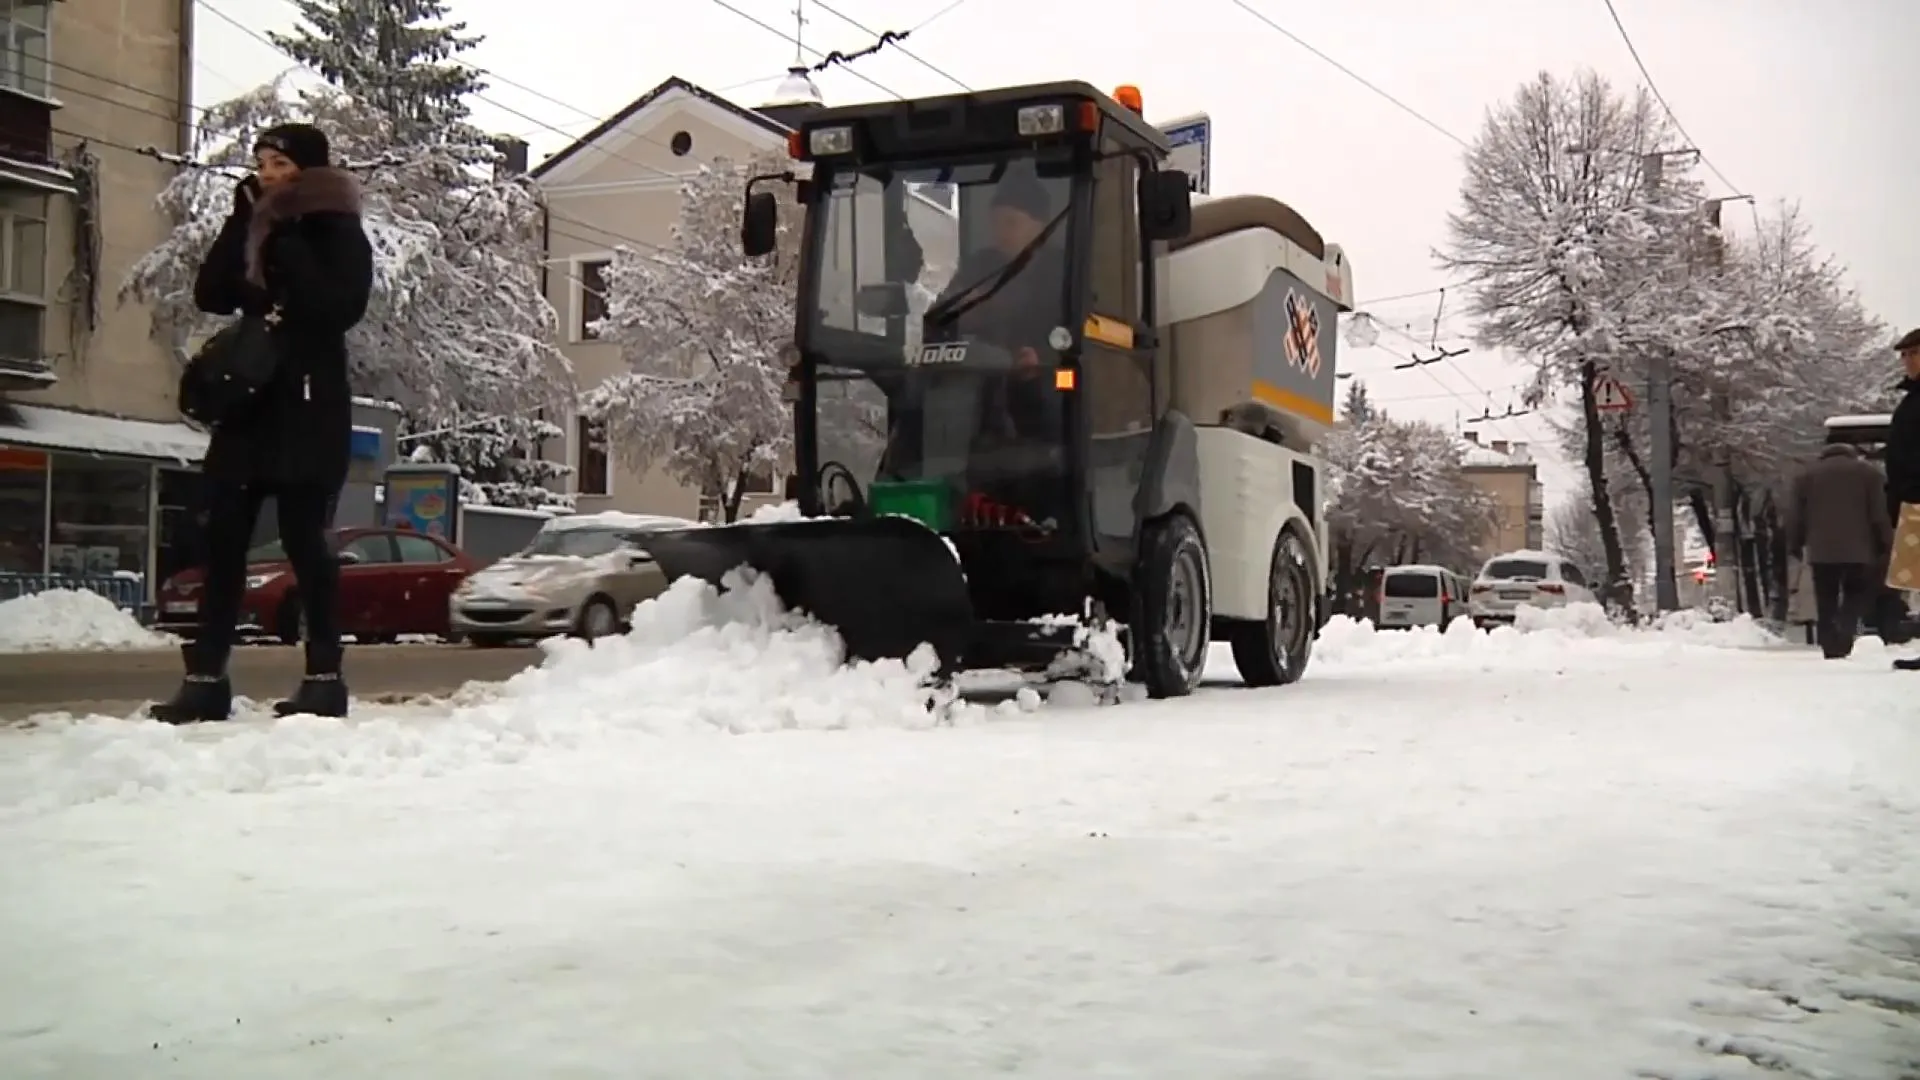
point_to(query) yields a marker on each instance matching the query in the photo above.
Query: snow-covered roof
(618, 519)
(64, 429)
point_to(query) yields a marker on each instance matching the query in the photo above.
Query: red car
(392, 582)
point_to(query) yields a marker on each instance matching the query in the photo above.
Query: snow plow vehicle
(1039, 387)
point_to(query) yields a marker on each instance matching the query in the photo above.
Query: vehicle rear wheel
(1172, 608)
(290, 621)
(1274, 651)
(597, 619)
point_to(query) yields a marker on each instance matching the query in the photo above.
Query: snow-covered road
(1571, 853)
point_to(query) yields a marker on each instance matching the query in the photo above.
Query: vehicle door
(366, 567)
(1409, 598)
(427, 574)
(1578, 591)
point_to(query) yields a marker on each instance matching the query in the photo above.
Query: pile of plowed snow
(1576, 633)
(698, 660)
(71, 620)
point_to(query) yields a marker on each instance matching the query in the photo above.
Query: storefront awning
(63, 429)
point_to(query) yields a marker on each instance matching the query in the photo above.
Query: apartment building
(1508, 474)
(93, 459)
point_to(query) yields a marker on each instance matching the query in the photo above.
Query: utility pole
(1666, 589)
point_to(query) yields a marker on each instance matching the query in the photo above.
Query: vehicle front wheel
(1274, 651)
(597, 619)
(1172, 609)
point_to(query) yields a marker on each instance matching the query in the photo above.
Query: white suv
(1525, 578)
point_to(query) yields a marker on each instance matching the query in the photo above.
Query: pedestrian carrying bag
(223, 381)
(1903, 569)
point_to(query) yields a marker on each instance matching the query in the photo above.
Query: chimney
(1521, 453)
(1499, 446)
(1472, 437)
(513, 157)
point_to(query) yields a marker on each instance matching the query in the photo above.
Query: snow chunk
(71, 620)
(767, 515)
(1576, 634)
(698, 661)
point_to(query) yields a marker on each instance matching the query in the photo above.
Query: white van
(1420, 596)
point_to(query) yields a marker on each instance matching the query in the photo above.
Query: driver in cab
(1017, 315)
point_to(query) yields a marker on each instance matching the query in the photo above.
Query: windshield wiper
(980, 291)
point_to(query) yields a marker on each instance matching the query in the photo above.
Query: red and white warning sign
(1610, 394)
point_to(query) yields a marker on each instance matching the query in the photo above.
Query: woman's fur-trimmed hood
(324, 190)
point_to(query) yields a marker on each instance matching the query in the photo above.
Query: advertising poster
(423, 502)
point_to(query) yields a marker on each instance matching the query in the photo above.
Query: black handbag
(223, 381)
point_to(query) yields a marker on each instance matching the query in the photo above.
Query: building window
(23, 272)
(24, 64)
(23, 511)
(591, 468)
(593, 296)
(100, 514)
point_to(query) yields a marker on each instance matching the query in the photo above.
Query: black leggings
(305, 513)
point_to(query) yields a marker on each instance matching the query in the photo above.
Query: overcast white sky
(1790, 99)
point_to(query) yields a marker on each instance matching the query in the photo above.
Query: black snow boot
(323, 692)
(205, 695)
(1911, 663)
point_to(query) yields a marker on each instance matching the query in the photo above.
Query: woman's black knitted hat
(304, 144)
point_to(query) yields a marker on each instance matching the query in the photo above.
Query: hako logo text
(930, 355)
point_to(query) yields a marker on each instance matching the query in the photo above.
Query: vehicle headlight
(259, 581)
(822, 142)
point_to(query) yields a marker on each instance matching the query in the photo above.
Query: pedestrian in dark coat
(294, 253)
(1837, 516)
(1903, 443)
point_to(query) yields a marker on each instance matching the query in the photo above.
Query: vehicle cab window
(369, 548)
(1119, 382)
(1571, 574)
(419, 549)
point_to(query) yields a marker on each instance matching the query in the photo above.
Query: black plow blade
(887, 584)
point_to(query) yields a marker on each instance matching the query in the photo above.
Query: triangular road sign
(1610, 394)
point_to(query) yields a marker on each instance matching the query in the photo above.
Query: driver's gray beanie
(1025, 194)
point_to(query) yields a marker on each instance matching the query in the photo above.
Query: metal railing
(128, 593)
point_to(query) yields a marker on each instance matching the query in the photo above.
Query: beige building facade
(93, 459)
(619, 187)
(1507, 473)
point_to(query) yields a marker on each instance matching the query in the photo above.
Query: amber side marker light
(1064, 379)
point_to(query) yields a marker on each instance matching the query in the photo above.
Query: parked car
(583, 574)
(392, 582)
(1420, 595)
(1525, 579)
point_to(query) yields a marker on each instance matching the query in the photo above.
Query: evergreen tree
(396, 56)
(1358, 408)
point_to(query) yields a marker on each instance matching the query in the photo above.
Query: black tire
(598, 618)
(1173, 608)
(289, 620)
(1275, 650)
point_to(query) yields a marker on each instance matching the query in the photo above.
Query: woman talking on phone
(293, 261)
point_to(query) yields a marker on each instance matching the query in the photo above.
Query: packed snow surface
(705, 850)
(71, 620)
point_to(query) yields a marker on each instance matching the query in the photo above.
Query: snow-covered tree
(458, 333)
(1398, 494)
(1569, 243)
(1358, 407)
(703, 331)
(396, 56)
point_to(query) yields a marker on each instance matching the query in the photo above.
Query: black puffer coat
(299, 256)
(1903, 448)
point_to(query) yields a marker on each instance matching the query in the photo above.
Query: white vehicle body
(1260, 411)
(1421, 595)
(1520, 579)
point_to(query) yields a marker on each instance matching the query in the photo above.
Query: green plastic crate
(930, 502)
